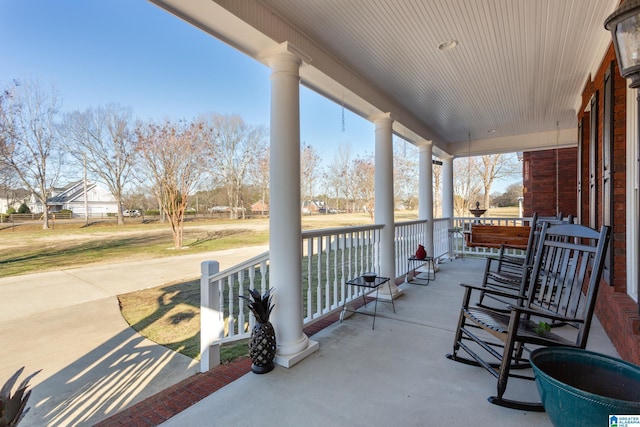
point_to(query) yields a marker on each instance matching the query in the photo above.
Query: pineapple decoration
(262, 348)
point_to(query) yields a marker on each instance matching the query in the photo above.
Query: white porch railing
(223, 315)
(330, 257)
(441, 237)
(408, 235)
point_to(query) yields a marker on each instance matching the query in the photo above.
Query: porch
(396, 374)
(445, 98)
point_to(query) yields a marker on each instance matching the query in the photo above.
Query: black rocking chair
(562, 289)
(506, 272)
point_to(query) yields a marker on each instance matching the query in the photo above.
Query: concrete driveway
(67, 323)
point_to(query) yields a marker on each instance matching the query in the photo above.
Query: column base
(430, 268)
(287, 361)
(384, 294)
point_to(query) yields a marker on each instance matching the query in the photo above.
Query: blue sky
(131, 52)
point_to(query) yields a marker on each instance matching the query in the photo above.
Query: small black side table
(375, 284)
(428, 261)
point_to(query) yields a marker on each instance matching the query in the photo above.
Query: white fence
(330, 257)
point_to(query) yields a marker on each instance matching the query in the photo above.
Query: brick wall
(619, 316)
(615, 309)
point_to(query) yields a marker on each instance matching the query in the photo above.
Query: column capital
(380, 117)
(424, 143)
(284, 49)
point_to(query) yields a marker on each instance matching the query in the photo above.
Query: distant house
(311, 206)
(259, 207)
(12, 198)
(72, 197)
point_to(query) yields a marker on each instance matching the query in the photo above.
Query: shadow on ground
(123, 370)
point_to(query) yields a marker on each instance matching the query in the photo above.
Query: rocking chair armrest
(538, 313)
(492, 291)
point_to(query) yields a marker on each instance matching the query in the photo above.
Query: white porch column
(383, 206)
(285, 230)
(425, 192)
(447, 188)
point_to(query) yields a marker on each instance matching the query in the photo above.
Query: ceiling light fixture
(624, 25)
(492, 131)
(448, 45)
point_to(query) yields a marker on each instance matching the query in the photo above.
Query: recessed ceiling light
(492, 131)
(448, 45)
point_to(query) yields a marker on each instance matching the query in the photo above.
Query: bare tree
(489, 168)
(29, 142)
(309, 171)
(339, 174)
(405, 174)
(9, 184)
(259, 173)
(233, 146)
(466, 185)
(364, 183)
(142, 196)
(509, 197)
(103, 140)
(437, 190)
(172, 154)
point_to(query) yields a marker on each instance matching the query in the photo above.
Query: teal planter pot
(581, 388)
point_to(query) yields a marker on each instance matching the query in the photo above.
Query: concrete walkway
(68, 324)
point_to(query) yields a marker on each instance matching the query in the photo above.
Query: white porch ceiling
(519, 68)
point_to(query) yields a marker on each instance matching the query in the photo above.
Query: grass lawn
(28, 248)
(170, 315)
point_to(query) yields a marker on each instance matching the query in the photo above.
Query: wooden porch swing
(497, 236)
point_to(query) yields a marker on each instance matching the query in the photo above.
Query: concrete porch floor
(396, 374)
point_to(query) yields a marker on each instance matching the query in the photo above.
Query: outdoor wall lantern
(624, 25)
